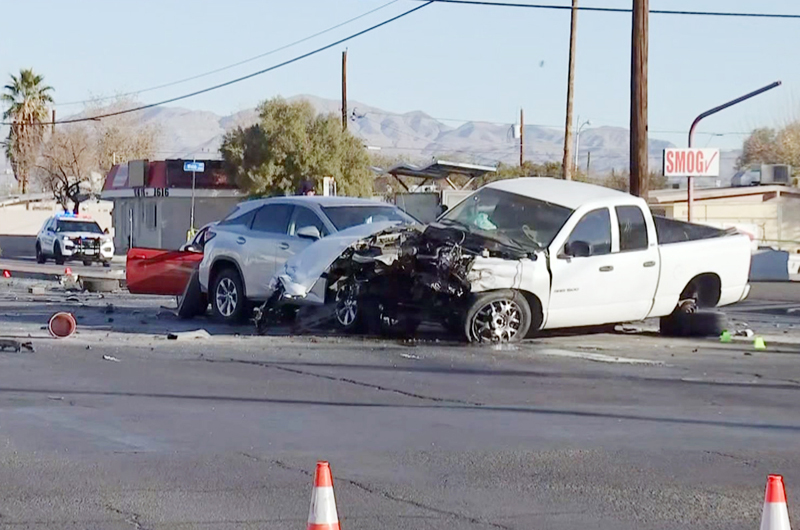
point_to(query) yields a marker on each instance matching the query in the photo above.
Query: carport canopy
(440, 170)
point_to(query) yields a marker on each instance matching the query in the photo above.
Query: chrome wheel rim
(346, 307)
(497, 321)
(226, 297)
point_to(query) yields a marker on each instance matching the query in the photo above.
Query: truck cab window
(594, 229)
(632, 228)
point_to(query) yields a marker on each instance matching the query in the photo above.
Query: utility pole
(344, 90)
(521, 138)
(573, 33)
(638, 145)
(53, 124)
(588, 162)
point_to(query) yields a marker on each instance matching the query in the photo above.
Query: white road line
(597, 357)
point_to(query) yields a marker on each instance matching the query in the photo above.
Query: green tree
(290, 144)
(27, 99)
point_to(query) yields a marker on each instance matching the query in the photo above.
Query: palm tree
(27, 98)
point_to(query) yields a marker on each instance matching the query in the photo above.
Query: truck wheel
(227, 297)
(87, 263)
(57, 255)
(498, 316)
(40, 257)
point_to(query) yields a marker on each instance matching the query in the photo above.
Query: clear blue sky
(466, 62)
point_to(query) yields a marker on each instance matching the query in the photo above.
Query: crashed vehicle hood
(302, 271)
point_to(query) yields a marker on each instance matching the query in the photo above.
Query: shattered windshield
(344, 217)
(528, 222)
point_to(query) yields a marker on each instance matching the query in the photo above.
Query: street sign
(691, 162)
(198, 167)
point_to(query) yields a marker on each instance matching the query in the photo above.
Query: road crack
(386, 495)
(347, 380)
(132, 518)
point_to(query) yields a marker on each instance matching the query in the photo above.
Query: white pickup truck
(528, 254)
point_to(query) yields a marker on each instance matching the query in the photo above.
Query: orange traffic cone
(776, 514)
(67, 271)
(6, 274)
(322, 515)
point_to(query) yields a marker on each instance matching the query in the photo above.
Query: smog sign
(691, 162)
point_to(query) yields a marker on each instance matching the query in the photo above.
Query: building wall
(163, 222)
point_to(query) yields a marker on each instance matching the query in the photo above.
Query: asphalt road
(598, 431)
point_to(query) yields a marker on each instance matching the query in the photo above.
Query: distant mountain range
(413, 135)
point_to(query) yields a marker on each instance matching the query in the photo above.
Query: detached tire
(498, 316)
(227, 297)
(697, 324)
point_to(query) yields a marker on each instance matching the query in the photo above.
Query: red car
(164, 272)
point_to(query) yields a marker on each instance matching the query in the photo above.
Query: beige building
(770, 214)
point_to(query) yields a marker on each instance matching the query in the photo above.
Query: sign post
(193, 166)
(691, 162)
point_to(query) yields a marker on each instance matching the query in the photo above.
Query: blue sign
(198, 167)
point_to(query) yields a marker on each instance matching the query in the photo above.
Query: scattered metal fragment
(110, 358)
(189, 335)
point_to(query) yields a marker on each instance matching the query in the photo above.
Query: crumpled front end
(397, 271)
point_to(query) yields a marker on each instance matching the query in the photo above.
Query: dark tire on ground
(227, 297)
(87, 263)
(192, 302)
(498, 316)
(696, 324)
(57, 255)
(40, 257)
(106, 264)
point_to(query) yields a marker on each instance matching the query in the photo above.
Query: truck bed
(673, 231)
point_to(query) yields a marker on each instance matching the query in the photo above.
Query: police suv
(67, 236)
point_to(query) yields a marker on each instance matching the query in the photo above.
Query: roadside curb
(29, 275)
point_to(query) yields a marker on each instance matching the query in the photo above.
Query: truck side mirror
(578, 249)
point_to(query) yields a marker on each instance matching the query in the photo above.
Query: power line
(239, 79)
(228, 67)
(729, 14)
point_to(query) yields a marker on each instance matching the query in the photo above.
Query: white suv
(73, 237)
(244, 251)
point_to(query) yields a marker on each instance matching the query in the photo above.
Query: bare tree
(65, 165)
(121, 138)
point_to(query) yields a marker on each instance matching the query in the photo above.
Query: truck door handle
(241, 240)
(606, 268)
(284, 246)
(649, 263)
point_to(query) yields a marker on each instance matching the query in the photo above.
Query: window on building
(151, 215)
